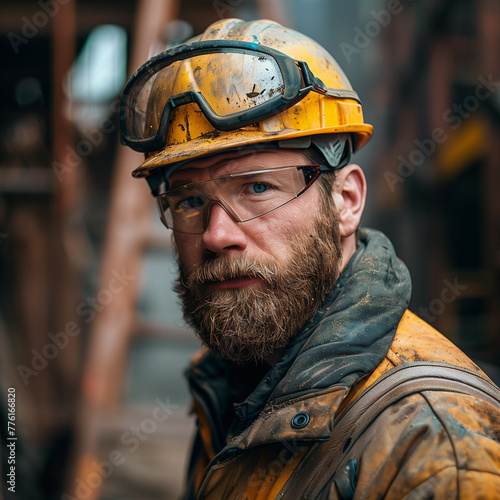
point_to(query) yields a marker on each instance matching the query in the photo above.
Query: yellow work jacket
(433, 444)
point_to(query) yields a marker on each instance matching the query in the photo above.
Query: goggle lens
(221, 97)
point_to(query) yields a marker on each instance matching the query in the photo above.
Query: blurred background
(92, 339)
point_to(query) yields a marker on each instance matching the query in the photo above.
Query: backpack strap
(350, 423)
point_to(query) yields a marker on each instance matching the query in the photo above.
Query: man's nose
(221, 232)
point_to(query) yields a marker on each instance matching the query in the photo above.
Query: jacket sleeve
(439, 445)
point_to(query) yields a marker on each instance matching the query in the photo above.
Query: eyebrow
(182, 177)
(230, 169)
(177, 183)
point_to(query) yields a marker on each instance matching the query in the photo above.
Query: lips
(235, 283)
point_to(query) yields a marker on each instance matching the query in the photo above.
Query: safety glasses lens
(244, 196)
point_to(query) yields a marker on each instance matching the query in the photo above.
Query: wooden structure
(438, 166)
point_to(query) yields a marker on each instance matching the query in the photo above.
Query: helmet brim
(218, 141)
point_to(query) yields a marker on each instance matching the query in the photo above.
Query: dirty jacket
(432, 444)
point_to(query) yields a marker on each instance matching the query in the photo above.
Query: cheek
(274, 233)
(189, 249)
(298, 218)
(301, 215)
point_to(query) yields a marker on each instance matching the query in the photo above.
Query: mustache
(225, 268)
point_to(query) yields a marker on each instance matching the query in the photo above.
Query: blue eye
(191, 202)
(259, 187)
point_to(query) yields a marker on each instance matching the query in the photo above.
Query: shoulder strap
(394, 385)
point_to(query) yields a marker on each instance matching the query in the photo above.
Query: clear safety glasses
(244, 196)
(260, 83)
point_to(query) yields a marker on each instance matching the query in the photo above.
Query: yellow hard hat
(238, 84)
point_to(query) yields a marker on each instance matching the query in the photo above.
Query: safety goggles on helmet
(244, 196)
(278, 82)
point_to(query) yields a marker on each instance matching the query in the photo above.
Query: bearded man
(315, 380)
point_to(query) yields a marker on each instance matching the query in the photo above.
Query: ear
(350, 197)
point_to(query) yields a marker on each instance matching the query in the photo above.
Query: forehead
(236, 162)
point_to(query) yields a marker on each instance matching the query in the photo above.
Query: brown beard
(253, 322)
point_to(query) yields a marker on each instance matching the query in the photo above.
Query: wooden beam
(129, 227)
(489, 49)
